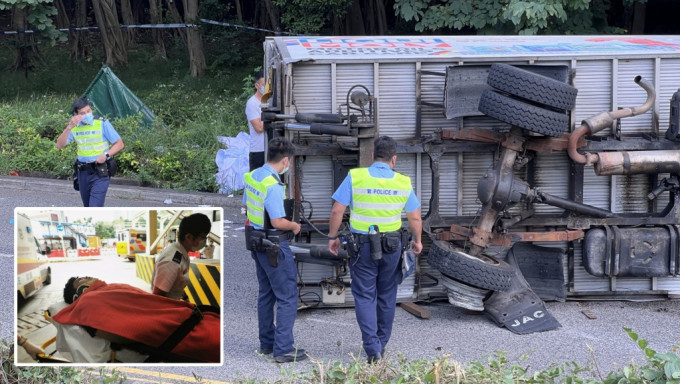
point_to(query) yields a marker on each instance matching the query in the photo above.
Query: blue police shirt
(273, 203)
(109, 133)
(343, 195)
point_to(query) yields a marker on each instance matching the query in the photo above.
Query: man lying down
(168, 330)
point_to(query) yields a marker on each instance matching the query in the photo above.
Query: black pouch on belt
(76, 183)
(102, 169)
(390, 242)
(376, 246)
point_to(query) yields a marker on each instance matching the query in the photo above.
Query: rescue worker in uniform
(171, 271)
(275, 268)
(376, 196)
(97, 142)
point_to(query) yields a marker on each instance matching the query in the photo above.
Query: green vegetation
(177, 152)
(659, 368)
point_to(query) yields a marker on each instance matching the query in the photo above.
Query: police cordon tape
(154, 26)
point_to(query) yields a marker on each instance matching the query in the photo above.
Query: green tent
(111, 98)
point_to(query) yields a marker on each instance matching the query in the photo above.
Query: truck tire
(482, 271)
(523, 115)
(533, 87)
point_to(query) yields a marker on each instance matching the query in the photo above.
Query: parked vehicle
(130, 242)
(33, 271)
(546, 165)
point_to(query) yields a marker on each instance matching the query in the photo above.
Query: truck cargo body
(426, 90)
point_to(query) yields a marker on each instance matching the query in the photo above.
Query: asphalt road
(332, 334)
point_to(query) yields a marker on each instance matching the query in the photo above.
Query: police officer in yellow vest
(94, 137)
(275, 267)
(376, 196)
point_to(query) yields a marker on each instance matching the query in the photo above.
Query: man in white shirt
(253, 113)
(171, 272)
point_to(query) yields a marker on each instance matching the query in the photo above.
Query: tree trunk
(355, 20)
(109, 28)
(62, 15)
(177, 19)
(639, 14)
(77, 38)
(381, 17)
(126, 13)
(26, 50)
(157, 34)
(194, 39)
(272, 14)
(239, 11)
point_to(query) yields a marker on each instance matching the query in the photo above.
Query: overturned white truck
(547, 166)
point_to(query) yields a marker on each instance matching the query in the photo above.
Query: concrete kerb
(156, 195)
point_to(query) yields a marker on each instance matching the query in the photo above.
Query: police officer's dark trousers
(92, 187)
(277, 286)
(374, 287)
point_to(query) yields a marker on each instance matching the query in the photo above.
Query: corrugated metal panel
(474, 167)
(312, 88)
(670, 284)
(552, 176)
(448, 188)
(596, 189)
(312, 93)
(349, 75)
(432, 91)
(630, 194)
(317, 185)
(406, 165)
(486, 123)
(397, 100)
(631, 95)
(669, 83)
(594, 84)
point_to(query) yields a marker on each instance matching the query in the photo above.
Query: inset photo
(118, 286)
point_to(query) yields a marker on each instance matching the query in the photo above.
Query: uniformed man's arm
(334, 226)
(115, 148)
(62, 140)
(283, 224)
(415, 224)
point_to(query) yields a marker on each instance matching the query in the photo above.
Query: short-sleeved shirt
(253, 111)
(343, 194)
(273, 202)
(109, 134)
(171, 273)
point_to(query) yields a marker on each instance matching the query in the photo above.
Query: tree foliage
(310, 16)
(510, 16)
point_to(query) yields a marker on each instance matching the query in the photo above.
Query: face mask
(262, 89)
(88, 119)
(200, 246)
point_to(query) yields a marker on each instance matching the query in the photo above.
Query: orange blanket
(149, 319)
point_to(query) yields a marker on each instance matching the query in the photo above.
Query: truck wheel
(523, 115)
(531, 86)
(48, 279)
(481, 271)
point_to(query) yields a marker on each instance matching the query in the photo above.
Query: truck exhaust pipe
(596, 123)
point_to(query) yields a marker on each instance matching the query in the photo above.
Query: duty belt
(362, 238)
(86, 166)
(277, 236)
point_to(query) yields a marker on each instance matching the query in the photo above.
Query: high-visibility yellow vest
(378, 201)
(256, 192)
(90, 139)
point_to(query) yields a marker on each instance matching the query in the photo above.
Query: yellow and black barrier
(205, 279)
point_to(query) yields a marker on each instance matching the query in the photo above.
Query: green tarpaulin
(111, 98)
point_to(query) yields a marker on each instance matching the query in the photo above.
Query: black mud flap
(519, 309)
